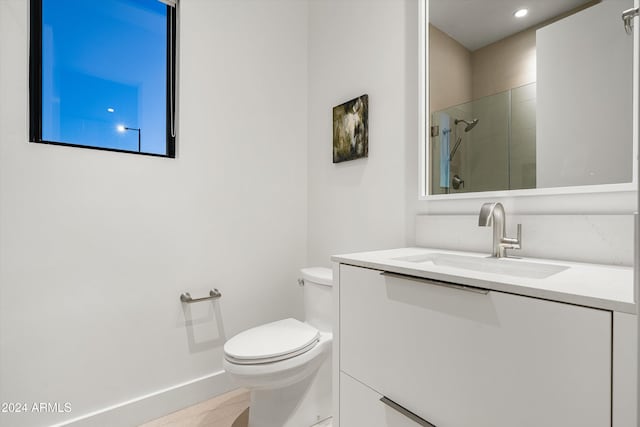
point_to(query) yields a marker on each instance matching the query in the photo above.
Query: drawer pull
(407, 413)
(436, 282)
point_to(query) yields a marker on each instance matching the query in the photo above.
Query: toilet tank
(318, 300)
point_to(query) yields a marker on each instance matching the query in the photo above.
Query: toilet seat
(272, 342)
(263, 376)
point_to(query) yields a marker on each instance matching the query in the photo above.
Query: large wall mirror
(538, 101)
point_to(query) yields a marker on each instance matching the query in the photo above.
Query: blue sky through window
(104, 66)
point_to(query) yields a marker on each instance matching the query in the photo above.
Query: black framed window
(102, 75)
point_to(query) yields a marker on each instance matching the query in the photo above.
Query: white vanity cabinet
(362, 406)
(466, 357)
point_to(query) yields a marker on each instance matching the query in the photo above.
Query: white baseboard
(154, 405)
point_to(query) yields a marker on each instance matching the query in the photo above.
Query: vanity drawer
(361, 406)
(465, 359)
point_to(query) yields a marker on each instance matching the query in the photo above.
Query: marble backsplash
(601, 239)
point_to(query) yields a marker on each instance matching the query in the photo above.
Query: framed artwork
(351, 130)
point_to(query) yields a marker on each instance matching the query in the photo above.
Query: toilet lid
(271, 342)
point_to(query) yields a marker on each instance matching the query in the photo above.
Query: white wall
(593, 70)
(373, 203)
(357, 47)
(96, 247)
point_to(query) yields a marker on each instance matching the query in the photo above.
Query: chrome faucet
(493, 214)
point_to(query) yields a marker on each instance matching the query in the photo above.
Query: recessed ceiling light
(521, 13)
(110, 110)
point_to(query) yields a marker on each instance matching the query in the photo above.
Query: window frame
(35, 85)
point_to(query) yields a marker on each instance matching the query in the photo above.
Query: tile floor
(228, 410)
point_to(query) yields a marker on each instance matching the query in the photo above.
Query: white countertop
(605, 287)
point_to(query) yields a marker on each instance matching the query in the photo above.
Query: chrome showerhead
(470, 125)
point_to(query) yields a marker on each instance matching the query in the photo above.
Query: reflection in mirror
(533, 102)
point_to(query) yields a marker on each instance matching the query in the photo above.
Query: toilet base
(302, 404)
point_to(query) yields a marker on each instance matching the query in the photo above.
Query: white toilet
(287, 364)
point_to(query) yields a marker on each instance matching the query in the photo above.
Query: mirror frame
(424, 178)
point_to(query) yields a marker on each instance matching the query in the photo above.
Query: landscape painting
(351, 130)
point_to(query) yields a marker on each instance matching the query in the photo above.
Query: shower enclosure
(485, 145)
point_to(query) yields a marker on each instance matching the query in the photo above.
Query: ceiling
(477, 23)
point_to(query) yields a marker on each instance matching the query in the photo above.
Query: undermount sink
(506, 266)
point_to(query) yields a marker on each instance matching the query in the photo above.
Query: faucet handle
(511, 243)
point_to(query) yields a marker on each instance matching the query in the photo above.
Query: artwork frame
(351, 130)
